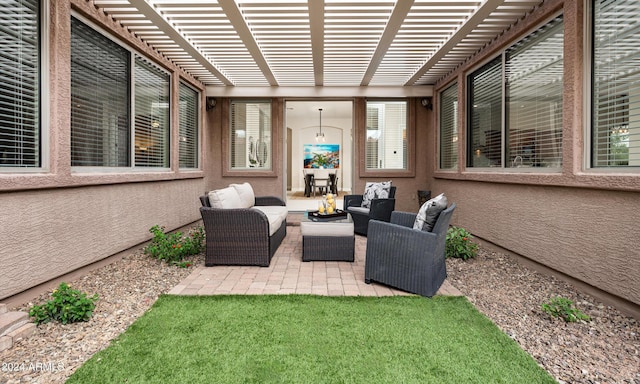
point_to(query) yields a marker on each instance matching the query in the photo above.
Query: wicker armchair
(240, 236)
(380, 210)
(405, 258)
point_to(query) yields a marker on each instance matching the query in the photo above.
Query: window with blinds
(188, 141)
(449, 127)
(250, 135)
(20, 78)
(100, 99)
(485, 116)
(533, 74)
(152, 115)
(525, 85)
(386, 141)
(615, 133)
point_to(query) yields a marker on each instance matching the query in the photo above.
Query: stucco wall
(586, 234)
(47, 233)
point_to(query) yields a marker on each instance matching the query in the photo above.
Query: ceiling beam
(316, 28)
(166, 27)
(230, 8)
(300, 92)
(398, 15)
(473, 21)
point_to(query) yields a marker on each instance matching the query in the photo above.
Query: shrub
(67, 306)
(174, 247)
(563, 307)
(459, 244)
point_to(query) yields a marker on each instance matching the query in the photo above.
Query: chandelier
(320, 135)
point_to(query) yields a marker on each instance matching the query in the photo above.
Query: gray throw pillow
(375, 191)
(429, 212)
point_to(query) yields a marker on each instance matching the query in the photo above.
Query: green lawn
(312, 339)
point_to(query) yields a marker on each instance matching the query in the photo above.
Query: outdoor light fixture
(211, 103)
(426, 102)
(320, 135)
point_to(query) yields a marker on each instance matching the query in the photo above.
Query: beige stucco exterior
(577, 222)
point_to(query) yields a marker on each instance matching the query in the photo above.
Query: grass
(312, 339)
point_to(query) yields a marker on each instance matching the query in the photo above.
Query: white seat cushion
(361, 210)
(245, 191)
(273, 210)
(225, 198)
(275, 214)
(326, 229)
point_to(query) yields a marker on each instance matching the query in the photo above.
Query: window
(100, 99)
(188, 141)
(449, 128)
(103, 76)
(386, 136)
(20, 77)
(615, 135)
(152, 115)
(250, 135)
(515, 104)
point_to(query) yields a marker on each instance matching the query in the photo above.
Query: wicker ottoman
(327, 240)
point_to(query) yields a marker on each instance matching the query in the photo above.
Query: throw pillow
(226, 198)
(429, 212)
(247, 196)
(375, 191)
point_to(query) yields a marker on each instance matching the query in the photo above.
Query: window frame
(43, 146)
(227, 170)
(455, 130)
(361, 126)
(198, 133)
(588, 160)
(504, 119)
(133, 53)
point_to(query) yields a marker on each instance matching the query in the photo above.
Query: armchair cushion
(225, 198)
(245, 191)
(375, 191)
(429, 212)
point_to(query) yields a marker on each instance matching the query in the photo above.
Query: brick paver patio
(289, 274)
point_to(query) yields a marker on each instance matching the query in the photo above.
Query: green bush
(174, 247)
(563, 307)
(67, 306)
(459, 244)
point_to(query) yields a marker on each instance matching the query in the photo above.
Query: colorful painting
(321, 155)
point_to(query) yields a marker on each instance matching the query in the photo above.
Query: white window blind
(616, 84)
(449, 127)
(100, 98)
(533, 71)
(250, 135)
(152, 115)
(526, 82)
(386, 141)
(20, 78)
(188, 141)
(485, 116)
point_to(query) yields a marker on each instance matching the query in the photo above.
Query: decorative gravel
(605, 350)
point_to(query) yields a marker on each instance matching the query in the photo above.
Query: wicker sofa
(409, 259)
(242, 229)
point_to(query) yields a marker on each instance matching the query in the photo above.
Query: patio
(288, 274)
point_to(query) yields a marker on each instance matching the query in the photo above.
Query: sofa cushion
(361, 210)
(245, 191)
(429, 212)
(273, 210)
(225, 198)
(375, 191)
(276, 215)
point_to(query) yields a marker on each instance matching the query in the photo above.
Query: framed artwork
(321, 155)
